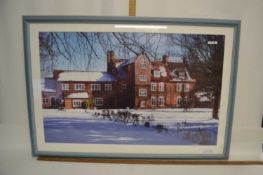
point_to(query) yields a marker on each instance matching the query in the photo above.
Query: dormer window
(181, 74)
(174, 73)
(156, 73)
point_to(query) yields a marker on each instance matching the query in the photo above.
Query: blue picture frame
(29, 21)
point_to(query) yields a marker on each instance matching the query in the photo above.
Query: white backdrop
(247, 136)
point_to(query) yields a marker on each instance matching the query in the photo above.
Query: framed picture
(130, 88)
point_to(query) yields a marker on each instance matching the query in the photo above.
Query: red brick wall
(142, 71)
(68, 104)
(109, 97)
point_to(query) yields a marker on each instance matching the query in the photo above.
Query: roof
(86, 76)
(202, 96)
(131, 60)
(78, 95)
(186, 78)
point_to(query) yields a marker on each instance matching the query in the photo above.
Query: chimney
(110, 56)
(165, 59)
(56, 74)
(110, 60)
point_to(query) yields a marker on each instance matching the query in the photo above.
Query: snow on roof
(203, 99)
(117, 64)
(188, 77)
(202, 96)
(78, 95)
(48, 90)
(86, 76)
(163, 71)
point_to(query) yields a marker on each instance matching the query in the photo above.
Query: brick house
(137, 82)
(51, 93)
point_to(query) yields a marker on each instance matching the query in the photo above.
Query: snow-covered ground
(176, 127)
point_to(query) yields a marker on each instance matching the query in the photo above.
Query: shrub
(84, 105)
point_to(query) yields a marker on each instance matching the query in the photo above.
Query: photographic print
(133, 91)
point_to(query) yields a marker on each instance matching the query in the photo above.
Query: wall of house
(247, 136)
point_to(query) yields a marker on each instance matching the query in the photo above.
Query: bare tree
(203, 55)
(81, 49)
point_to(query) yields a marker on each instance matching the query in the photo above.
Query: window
(142, 78)
(95, 87)
(186, 87)
(45, 101)
(79, 87)
(142, 104)
(156, 73)
(123, 86)
(186, 99)
(108, 87)
(142, 92)
(98, 101)
(77, 103)
(179, 100)
(65, 86)
(181, 74)
(143, 64)
(161, 101)
(153, 86)
(153, 101)
(161, 87)
(179, 87)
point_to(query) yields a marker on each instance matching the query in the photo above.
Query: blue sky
(90, 55)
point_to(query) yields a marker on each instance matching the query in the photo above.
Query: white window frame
(64, 86)
(79, 87)
(96, 87)
(179, 100)
(179, 87)
(157, 73)
(142, 77)
(142, 92)
(161, 87)
(186, 87)
(143, 64)
(161, 101)
(153, 101)
(108, 87)
(76, 103)
(181, 74)
(186, 99)
(153, 87)
(45, 101)
(98, 101)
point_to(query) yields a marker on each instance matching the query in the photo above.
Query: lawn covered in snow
(193, 127)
